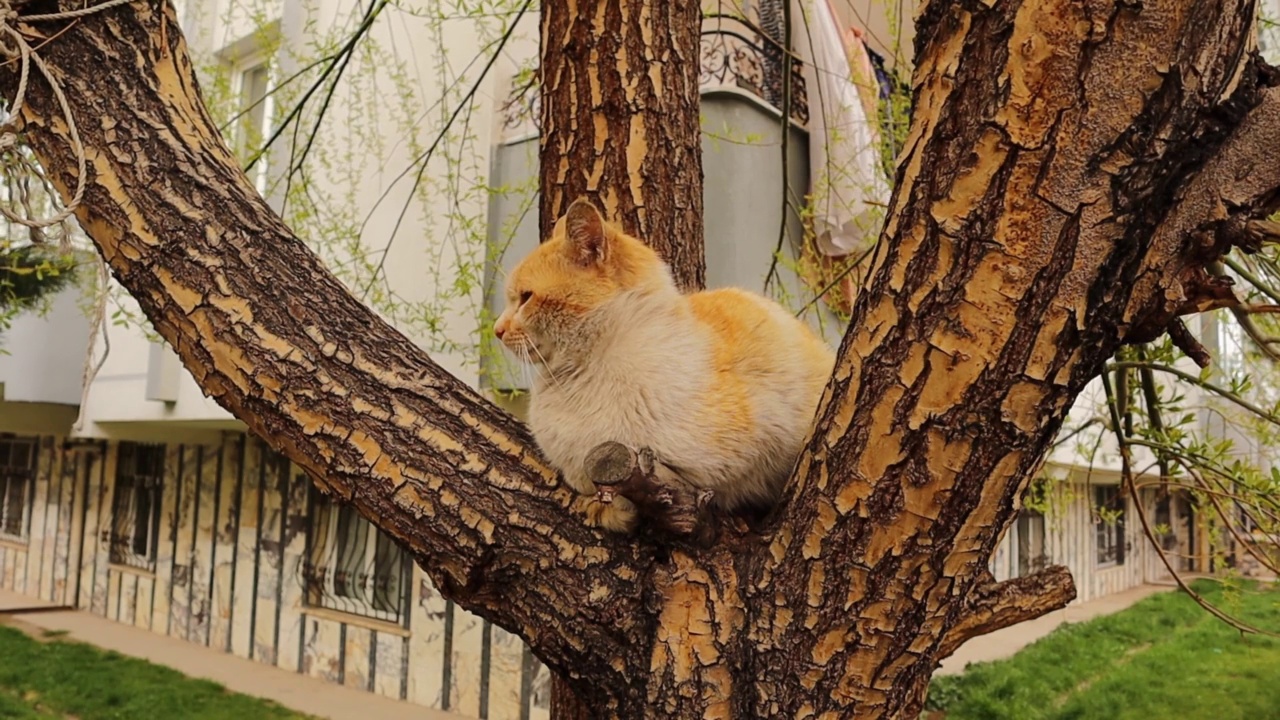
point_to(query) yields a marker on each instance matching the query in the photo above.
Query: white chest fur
(639, 386)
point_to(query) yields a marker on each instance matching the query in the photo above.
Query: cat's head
(560, 289)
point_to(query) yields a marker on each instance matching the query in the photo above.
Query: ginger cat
(721, 384)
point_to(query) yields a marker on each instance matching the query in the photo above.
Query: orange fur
(721, 384)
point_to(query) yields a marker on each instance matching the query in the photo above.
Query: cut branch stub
(666, 504)
(994, 606)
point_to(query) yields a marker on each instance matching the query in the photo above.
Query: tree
(1071, 172)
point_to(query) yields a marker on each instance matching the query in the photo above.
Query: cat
(721, 384)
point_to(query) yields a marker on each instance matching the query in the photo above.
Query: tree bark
(1066, 175)
(1019, 253)
(619, 122)
(273, 337)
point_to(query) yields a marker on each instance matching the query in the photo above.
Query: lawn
(53, 678)
(1163, 658)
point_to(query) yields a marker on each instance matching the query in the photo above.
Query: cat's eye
(525, 296)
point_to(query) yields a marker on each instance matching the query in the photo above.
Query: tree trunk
(626, 134)
(1071, 169)
(619, 122)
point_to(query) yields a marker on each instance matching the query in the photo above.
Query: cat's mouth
(523, 347)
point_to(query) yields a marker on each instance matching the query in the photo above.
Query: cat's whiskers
(547, 367)
(526, 367)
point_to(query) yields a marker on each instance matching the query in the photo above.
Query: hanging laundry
(863, 73)
(891, 88)
(883, 76)
(847, 186)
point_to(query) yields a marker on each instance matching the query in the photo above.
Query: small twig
(1151, 399)
(1260, 341)
(1215, 389)
(1187, 343)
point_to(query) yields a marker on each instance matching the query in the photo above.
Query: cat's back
(768, 370)
(755, 336)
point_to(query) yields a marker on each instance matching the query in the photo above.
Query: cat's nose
(499, 330)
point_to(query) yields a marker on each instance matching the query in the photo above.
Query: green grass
(1165, 657)
(60, 679)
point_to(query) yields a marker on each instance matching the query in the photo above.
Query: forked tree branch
(994, 606)
(1041, 218)
(274, 338)
(1219, 208)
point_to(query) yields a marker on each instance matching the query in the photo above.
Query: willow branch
(1126, 472)
(1215, 389)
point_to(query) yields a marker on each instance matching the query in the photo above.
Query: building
(138, 499)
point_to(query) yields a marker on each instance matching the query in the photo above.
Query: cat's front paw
(616, 516)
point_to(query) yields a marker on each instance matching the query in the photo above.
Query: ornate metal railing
(351, 566)
(742, 47)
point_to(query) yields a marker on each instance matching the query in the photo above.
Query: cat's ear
(586, 234)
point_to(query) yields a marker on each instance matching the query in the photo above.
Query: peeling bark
(1065, 164)
(619, 121)
(1049, 143)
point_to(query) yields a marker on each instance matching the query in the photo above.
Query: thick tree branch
(994, 606)
(278, 341)
(1018, 254)
(1219, 208)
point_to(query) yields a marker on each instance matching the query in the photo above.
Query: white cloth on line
(848, 188)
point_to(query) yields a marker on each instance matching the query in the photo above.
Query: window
(1109, 524)
(252, 128)
(17, 478)
(135, 521)
(1031, 551)
(351, 566)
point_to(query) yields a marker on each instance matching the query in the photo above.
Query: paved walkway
(1006, 642)
(294, 691)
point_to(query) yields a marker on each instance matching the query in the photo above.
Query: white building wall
(390, 115)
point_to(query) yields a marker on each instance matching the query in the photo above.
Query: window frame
(13, 476)
(244, 125)
(1109, 537)
(123, 547)
(1032, 535)
(339, 544)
